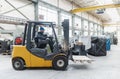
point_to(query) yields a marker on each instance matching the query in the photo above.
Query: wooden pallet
(81, 59)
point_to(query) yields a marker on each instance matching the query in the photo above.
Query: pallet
(81, 59)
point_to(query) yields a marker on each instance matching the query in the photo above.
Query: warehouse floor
(107, 67)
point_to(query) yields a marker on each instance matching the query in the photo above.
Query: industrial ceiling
(106, 16)
(82, 3)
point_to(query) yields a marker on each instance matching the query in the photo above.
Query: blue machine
(108, 44)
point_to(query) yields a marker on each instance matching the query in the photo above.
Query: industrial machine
(5, 43)
(5, 46)
(30, 55)
(98, 46)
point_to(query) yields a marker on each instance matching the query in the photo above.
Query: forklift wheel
(18, 64)
(60, 63)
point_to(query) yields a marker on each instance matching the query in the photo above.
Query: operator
(42, 39)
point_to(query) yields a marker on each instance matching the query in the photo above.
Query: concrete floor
(107, 67)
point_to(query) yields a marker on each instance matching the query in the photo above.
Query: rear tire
(60, 63)
(18, 64)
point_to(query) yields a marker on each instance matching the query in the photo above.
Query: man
(42, 40)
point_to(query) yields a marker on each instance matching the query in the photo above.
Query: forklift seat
(39, 52)
(41, 40)
(42, 44)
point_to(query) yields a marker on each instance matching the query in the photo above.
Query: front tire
(18, 64)
(60, 62)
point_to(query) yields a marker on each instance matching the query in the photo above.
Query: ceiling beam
(1, 28)
(94, 8)
(17, 9)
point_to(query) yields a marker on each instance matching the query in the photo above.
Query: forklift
(29, 55)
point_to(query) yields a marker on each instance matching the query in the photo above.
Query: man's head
(42, 29)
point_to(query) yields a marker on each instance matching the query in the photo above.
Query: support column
(73, 24)
(97, 29)
(93, 28)
(59, 23)
(102, 30)
(82, 26)
(36, 9)
(88, 27)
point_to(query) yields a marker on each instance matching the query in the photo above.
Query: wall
(76, 25)
(27, 8)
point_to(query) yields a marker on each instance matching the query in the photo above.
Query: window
(78, 34)
(85, 33)
(99, 28)
(77, 23)
(46, 14)
(95, 33)
(70, 33)
(99, 33)
(91, 33)
(85, 25)
(96, 27)
(91, 27)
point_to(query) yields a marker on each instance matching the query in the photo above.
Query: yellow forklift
(28, 55)
(55, 56)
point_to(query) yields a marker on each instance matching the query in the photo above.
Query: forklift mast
(65, 25)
